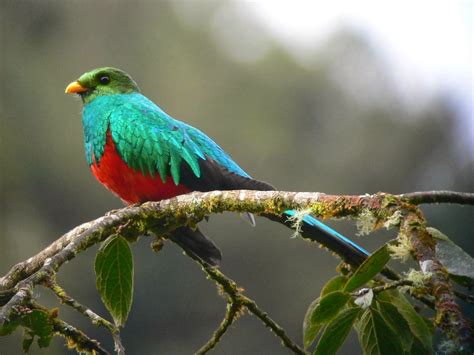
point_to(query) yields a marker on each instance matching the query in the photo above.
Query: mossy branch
(426, 197)
(87, 312)
(76, 339)
(236, 302)
(384, 210)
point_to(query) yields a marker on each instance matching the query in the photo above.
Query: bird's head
(101, 82)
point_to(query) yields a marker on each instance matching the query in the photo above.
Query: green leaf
(35, 323)
(329, 306)
(9, 326)
(375, 336)
(310, 329)
(28, 338)
(462, 280)
(428, 322)
(38, 324)
(417, 348)
(458, 263)
(114, 273)
(336, 331)
(368, 269)
(392, 316)
(335, 284)
(418, 326)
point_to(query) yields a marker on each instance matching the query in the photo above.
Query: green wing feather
(148, 139)
(153, 142)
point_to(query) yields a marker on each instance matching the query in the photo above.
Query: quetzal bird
(141, 153)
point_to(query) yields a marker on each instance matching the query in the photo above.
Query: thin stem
(87, 312)
(231, 314)
(22, 296)
(66, 299)
(76, 338)
(387, 286)
(461, 198)
(234, 293)
(464, 297)
(270, 323)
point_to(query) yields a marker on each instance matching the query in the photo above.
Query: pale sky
(429, 44)
(433, 38)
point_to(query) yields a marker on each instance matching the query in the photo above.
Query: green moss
(319, 209)
(393, 220)
(389, 201)
(366, 222)
(402, 250)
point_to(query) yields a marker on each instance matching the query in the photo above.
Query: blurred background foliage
(336, 124)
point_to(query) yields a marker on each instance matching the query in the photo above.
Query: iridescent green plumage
(147, 138)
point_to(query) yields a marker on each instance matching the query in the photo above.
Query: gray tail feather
(249, 217)
(196, 243)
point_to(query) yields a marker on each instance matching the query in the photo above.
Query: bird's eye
(104, 79)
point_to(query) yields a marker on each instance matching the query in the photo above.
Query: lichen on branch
(16, 287)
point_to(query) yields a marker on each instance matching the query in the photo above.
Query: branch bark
(167, 215)
(76, 339)
(198, 205)
(418, 198)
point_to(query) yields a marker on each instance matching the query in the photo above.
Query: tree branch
(231, 313)
(87, 312)
(165, 216)
(27, 267)
(237, 301)
(198, 205)
(76, 339)
(449, 316)
(461, 198)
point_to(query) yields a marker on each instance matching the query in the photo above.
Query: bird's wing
(151, 141)
(218, 170)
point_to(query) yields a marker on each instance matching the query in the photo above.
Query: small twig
(464, 297)
(461, 198)
(233, 309)
(22, 295)
(6, 295)
(229, 287)
(94, 317)
(270, 323)
(118, 347)
(31, 265)
(387, 286)
(76, 338)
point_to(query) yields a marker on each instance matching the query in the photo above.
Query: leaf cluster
(385, 324)
(35, 323)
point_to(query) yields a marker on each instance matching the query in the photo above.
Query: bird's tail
(314, 230)
(310, 227)
(196, 243)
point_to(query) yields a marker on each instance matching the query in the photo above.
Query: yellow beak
(75, 88)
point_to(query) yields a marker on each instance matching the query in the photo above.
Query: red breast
(132, 186)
